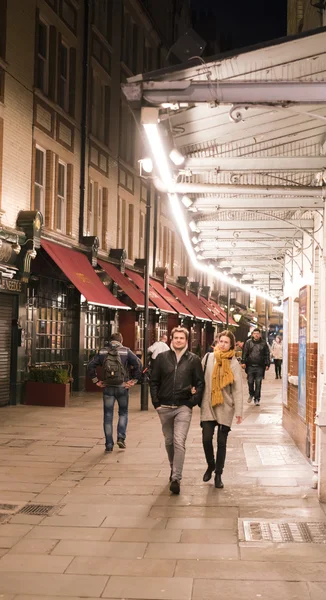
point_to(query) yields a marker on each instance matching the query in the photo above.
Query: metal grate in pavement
(37, 509)
(282, 532)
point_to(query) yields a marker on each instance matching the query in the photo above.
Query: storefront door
(6, 316)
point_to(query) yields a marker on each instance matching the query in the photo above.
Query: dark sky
(240, 23)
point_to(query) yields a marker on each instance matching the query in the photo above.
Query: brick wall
(297, 427)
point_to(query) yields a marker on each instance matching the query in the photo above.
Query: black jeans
(278, 366)
(255, 377)
(208, 428)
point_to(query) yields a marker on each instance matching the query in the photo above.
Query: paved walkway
(115, 531)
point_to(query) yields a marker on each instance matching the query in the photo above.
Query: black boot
(208, 473)
(218, 481)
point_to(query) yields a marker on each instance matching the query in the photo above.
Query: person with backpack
(115, 360)
(222, 400)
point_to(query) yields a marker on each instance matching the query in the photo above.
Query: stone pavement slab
(116, 532)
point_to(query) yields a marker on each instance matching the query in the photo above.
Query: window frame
(42, 187)
(45, 60)
(65, 105)
(62, 199)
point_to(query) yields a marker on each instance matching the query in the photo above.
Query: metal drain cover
(282, 532)
(37, 509)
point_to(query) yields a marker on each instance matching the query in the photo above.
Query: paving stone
(28, 546)
(135, 522)
(70, 533)
(39, 584)
(207, 536)
(202, 523)
(317, 591)
(35, 563)
(247, 590)
(194, 511)
(151, 588)
(286, 552)
(120, 566)
(247, 570)
(199, 551)
(99, 548)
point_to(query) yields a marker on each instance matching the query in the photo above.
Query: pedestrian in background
(222, 399)
(176, 385)
(255, 360)
(277, 355)
(155, 349)
(116, 360)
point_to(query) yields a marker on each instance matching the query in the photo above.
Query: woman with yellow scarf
(223, 398)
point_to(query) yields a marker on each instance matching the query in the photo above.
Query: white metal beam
(259, 224)
(232, 252)
(226, 92)
(271, 190)
(254, 235)
(272, 163)
(232, 244)
(207, 203)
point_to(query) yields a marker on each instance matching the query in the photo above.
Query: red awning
(154, 296)
(168, 297)
(208, 308)
(135, 295)
(222, 313)
(191, 302)
(80, 272)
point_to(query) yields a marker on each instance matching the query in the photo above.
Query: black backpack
(113, 369)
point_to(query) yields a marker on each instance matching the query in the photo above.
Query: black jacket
(171, 381)
(256, 353)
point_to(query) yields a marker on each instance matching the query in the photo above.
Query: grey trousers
(175, 426)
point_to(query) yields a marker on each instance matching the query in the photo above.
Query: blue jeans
(110, 395)
(255, 378)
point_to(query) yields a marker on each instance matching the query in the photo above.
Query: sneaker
(257, 402)
(109, 449)
(250, 399)
(122, 444)
(218, 481)
(175, 487)
(208, 473)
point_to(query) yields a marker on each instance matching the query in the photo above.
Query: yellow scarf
(222, 374)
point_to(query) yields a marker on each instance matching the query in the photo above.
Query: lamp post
(146, 166)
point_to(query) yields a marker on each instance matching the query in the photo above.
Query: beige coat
(277, 350)
(232, 395)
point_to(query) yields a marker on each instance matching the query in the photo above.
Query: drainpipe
(83, 124)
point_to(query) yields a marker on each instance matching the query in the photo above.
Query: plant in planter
(48, 386)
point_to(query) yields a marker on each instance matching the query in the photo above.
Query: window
(90, 208)
(42, 66)
(121, 225)
(141, 250)
(165, 246)
(172, 252)
(102, 17)
(148, 57)
(61, 198)
(39, 180)
(99, 211)
(101, 54)
(131, 232)
(3, 26)
(100, 109)
(63, 76)
(68, 14)
(127, 135)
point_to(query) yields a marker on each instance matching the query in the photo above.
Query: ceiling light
(186, 201)
(176, 157)
(197, 248)
(195, 240)
(194, 227)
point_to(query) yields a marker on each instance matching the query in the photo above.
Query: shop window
(61, 200)
(49, 322)
(163, 325)
(97, 329)
(39, 180)
(42, 59)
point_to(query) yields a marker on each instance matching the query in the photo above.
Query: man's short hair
(256, 329)
(116, 337)
(180, 330)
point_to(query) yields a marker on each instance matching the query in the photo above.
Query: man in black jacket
(177, 385)
(255, 359)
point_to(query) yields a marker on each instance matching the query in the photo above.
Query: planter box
(47, 394)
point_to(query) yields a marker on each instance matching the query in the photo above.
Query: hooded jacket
(172, 379)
